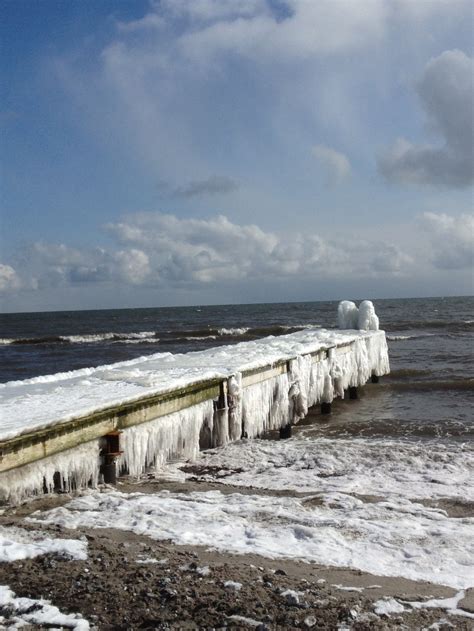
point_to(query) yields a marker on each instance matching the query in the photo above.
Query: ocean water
(429, 393)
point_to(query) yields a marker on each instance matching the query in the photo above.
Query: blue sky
(209, 151)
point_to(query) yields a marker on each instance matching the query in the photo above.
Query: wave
(152, 337)
(241, 332)
(400, 338)
(233, 331)
(92, 338)
(452, 325)
(116, 337)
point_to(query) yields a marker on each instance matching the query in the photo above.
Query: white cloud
(192, 77)
(301, 30)
(156, 249)
(336, 164)
(452, 240)
(53, 265)
(132, 266)
(259, 28)
(9, 279)
(208, 10)
(446, 93)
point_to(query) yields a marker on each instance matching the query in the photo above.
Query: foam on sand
(384, 538)
(380, 467)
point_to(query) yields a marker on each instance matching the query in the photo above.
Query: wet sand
(118, 587)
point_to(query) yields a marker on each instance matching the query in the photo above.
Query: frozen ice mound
(363, 318)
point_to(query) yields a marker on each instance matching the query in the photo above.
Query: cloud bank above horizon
(274, 144)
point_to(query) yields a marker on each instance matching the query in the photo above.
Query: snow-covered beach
(161, 554)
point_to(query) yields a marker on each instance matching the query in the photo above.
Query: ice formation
(368, 320)
(347, 315)
(158, 441)
(363, 318)
(321, 364)
(71, 469)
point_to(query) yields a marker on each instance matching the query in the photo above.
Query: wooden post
(375, 378)
(353, 393)
(110, 453)
(325, 408)
(222, 400)
(285, 432)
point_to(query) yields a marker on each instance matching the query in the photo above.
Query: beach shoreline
(383, 484)
(130, 581)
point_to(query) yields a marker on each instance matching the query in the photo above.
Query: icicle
(77, 468)
(320, 383)
(328, 390)
(335, 373)
(265, 406)
(234, 390)
(299, 403)
(377, 351)
(361, 370)
(155, 442)
(300, 377)
(220, 435)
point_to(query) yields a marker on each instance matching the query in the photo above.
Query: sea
(428, 394)
(384, 484)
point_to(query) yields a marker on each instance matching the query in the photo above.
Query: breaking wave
(93, 338)
(244, 331)
(152, 337)
(400, 338)
(236, 331)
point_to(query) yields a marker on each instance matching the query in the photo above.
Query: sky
(183, 152)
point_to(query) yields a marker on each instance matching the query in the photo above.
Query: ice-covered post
(234, 401)
(368, 320)
(221, 418)
(363, 318)
(285, 431)
(328, 391)
(110, 453)
(353, 394)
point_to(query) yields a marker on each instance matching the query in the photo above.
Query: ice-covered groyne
(169, 405)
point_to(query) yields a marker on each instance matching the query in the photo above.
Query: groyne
(77, 429)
